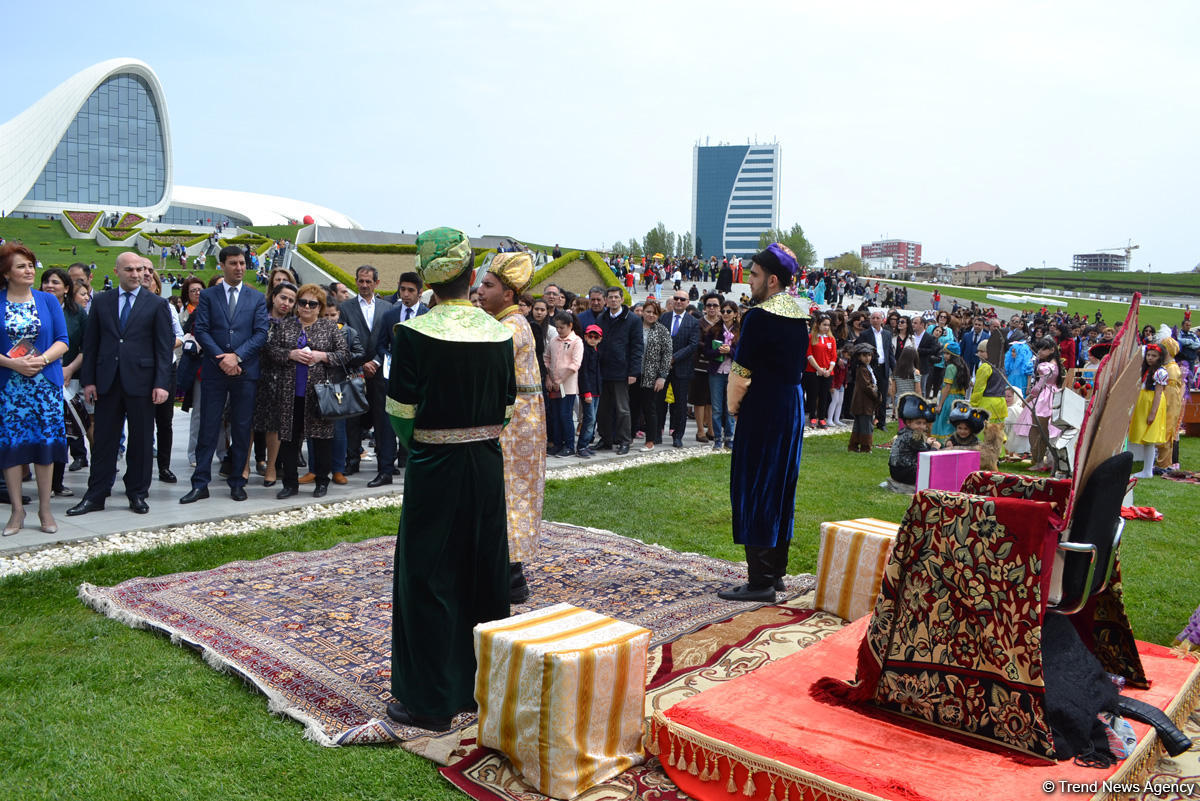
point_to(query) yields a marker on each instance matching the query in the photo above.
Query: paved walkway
(165, 509)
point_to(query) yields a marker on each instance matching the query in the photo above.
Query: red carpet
(780, 743)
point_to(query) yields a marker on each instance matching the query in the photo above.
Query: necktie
(125, 309)
(233, 296)
(407, 313)
(675, 325)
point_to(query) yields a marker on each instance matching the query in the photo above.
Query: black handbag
(337, 400)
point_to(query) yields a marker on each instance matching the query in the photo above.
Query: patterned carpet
(313, 630)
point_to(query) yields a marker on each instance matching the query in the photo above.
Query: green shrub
(101, 250)
(175, 237)
(43, 226)
(130, 220)
(606, 273)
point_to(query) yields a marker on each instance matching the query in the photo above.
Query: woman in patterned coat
(656, 367)
(303, 348)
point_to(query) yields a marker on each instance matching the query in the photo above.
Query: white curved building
(101, 141)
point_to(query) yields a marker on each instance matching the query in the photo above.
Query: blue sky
(1012, 132)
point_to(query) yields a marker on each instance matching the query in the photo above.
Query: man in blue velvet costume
(764, 392)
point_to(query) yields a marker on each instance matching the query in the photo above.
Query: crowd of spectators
(614, 374)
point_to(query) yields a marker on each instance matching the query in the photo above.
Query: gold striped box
(561, 692)
(850, 565)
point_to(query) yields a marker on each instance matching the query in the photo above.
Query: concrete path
(165, 509)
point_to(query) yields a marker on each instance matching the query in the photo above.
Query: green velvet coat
(451, 370)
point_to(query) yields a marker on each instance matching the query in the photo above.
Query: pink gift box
(945, 470)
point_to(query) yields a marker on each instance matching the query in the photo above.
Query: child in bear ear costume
(968, 423)
(917, 414)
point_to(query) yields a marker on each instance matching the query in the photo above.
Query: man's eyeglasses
(683, 298)
(308, 304)
(712, 305)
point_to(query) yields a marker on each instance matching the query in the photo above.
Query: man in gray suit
(365, 313)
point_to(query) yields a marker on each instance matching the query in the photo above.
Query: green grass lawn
(1113, 312)
(93, 709)
(1101, 282)
(287, 232)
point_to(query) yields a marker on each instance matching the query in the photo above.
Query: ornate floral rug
(312, 630)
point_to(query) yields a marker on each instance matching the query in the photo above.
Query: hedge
(120, 234)
(359, 247)
(130, 220)
(325, 264)
(606, 274)
(82, 221)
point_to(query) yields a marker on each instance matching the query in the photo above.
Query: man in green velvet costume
(451, 390)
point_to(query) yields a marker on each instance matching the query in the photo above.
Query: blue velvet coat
(772, 349)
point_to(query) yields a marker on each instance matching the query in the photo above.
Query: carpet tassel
(771, 797)
(671, 756)
(692, 769)
(748, 789)
(704, 770)
(730, 788)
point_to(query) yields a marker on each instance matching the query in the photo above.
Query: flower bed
(119, 234)
(82, 221)
(175, 236)
(130, 220)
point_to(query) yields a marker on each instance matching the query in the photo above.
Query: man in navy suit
(127, 351)
(231, 327)
(365, 314)
(685, 342)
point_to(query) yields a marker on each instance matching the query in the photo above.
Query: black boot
(517, 588)
(761, 570)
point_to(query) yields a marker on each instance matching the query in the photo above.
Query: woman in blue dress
(33, 339)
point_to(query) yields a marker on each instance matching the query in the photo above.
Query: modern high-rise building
(735, 197)
(906, 255)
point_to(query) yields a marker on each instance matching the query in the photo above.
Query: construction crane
(1129, 247)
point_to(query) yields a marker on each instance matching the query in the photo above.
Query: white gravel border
(73, 553)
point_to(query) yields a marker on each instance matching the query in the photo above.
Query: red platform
(764, 736)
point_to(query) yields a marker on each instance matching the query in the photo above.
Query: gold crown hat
(515, 270)
(443, 254)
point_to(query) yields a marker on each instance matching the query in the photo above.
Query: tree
(619, 248)
(795, 239)
(847, 261)
(635, 249)
(659, 240)
(686, 247)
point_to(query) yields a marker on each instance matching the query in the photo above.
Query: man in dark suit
(231, 327)
(885, 360)
(969, 342)
(365, 313)
(127, 352)
(927, 349)
(406, 304)
(685, 342)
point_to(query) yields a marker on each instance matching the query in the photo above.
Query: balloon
(308, 219)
